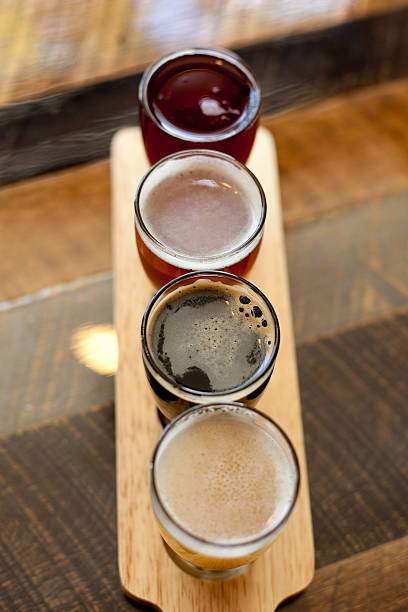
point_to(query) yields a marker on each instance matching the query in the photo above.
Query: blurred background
(334, 79)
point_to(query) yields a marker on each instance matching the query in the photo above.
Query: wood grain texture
(373, 580)
(359, 429)
(57, 511)
(343, 151)
(362, 275)
(146, 570)
(349, 266)
(57, 491)
(332, 156)
(54, 229)
(49, 47)
(42, 377)
(77, 125)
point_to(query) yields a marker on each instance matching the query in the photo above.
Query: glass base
(202, 572)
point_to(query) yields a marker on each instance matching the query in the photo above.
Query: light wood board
(146, 572)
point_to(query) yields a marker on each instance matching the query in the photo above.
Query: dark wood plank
(373, 580)
(48, 48)
(77, 126)
(58, 544)
(57, 490)
(354, 391)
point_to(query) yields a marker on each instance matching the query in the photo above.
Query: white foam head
(200, 210)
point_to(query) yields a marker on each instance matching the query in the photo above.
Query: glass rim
(248, 541)
(219, 53)
(191, 260)
(189, 391)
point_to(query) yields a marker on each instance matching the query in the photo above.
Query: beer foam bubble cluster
(224, 479)
(211, 337)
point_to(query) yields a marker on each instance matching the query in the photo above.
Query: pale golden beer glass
(224, 481)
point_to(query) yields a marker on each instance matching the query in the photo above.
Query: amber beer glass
(198, 210)
(208, 336)
(199, 98)
(224, 479)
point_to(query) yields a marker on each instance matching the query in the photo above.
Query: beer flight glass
(198, 210)
(208, 336)
(199, 98)
(224, 479)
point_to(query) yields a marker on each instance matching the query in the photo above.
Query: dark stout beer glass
(208, 336)
(224, 479)
(198, 210)
(199, 98)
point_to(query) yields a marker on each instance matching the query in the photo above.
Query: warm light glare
(96, 346)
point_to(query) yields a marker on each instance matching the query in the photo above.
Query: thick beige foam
(224, 479)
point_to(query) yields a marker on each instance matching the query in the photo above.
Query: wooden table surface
(48, 50)
(343, 164)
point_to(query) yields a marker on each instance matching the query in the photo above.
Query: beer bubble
(201, 331)
(256, 312)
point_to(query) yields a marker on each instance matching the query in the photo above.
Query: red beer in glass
(198, 210)
(199, 98)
